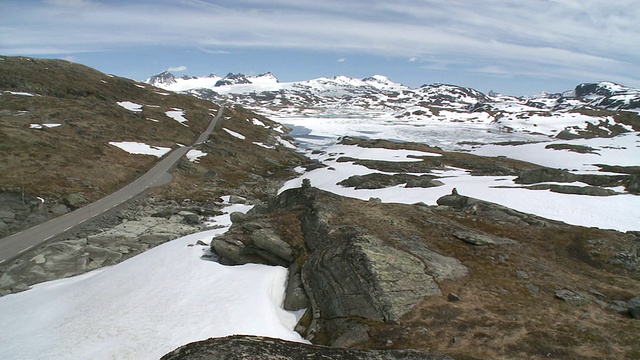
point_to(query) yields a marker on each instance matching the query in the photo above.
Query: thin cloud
(69, 3)
(177, 68)
(341, 60)
(597, 37)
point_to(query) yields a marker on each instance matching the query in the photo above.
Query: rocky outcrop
(346, 273)
(379, 181)
(257, 347)
(135, 232)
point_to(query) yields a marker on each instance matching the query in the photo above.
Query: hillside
(71, 134)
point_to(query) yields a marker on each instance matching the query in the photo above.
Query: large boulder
(239, 347)
(357, 275)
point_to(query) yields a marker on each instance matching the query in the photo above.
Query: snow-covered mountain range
(591, 109)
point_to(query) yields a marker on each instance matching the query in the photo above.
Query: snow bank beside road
(146, 306)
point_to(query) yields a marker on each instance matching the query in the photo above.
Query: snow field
(147, 306)
(620, 212)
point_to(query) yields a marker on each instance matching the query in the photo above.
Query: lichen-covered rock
(357, 275)
(240, 347)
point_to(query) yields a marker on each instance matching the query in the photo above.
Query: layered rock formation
(464, 277)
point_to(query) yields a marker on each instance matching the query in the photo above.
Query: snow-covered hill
(591, 109)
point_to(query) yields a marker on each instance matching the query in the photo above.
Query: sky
(512, 47)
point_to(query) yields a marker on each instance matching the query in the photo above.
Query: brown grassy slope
(76, 156)
(236, 166)
(508, 308)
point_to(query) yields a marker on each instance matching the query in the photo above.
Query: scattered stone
(7, 215)
(237, 217)
(521, 274)
(189, 217)
(234, 199)
(619, 306)
(533, 289)
(58, 209)
(633, 306)
(473, 238)
(75, 200)
(602, 304)
(571, 297)
(453, 297)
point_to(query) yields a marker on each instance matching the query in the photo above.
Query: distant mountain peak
(233, 79)
(164, 78)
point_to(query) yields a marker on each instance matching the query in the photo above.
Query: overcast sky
(515, 47)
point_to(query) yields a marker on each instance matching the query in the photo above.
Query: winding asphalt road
(14, 245)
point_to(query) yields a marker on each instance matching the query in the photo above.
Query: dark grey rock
(7, 215)
(453, 297)
(455, 200)
(190, 217)
(619, 306)
(58, 209)
(295, 296)
(474, 238)
(270, 242)
(633, 306)
(234, 199)
(75, 200)
(237, 217)
(352, 335)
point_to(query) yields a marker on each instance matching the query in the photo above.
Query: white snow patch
(177, 115)
(194, 155)
(234, 134)
(43, 126)
(20, 93)
(154, 120)
(376, 153)
(140, 148)
(131, 106)
(286, 143)
(147, 306)
(140, 86)
(258, 122)
(263, 145)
